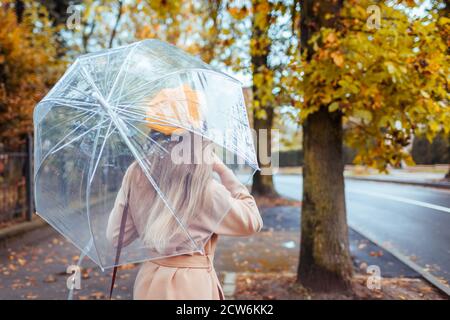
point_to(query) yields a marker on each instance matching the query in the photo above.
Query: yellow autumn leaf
(338, 58)
(331, 37)
(333, 106)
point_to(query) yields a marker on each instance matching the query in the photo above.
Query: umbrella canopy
(132, 109)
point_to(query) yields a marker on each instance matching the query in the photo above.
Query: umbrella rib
(121, 87)
(184, 70)
(88, 190)
(106, 78)
(158, 120)
(111, 132)
(147, 105)
(71, 100)
(84, 113)
(80, 136)
(146, 136)
(235, 148)
(164, 121)
(119, 73)
(131, 107)
(61, 102)
(52, 150)
(91, 65)
(140, 87)
(79, 91)
(72, 131)
(100, 152)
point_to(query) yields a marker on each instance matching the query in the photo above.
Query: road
(413, 220)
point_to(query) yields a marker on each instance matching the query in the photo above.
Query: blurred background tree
(435, 152)
(272, 42)
(29, 66)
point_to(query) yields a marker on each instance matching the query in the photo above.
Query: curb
(440, 185)
(404, 259)
(21, 228)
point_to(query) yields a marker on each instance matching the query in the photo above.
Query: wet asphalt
(412, 219)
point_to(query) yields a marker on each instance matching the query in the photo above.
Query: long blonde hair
(183, 186)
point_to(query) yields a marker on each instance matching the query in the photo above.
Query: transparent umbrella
(132, 107)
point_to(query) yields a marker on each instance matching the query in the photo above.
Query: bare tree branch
(114, 30)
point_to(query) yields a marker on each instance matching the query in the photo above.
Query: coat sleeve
(115, 217)
(243, 217)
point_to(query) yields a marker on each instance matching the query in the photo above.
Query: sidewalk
(427, 176)
(17, 228)
(432, 178)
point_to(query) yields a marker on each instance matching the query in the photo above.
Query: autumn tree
(57, 9)
(324, 257)
(202, 28)
(28, 67)
(95, 24)
(374, 86)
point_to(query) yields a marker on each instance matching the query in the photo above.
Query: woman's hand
(218, 165)
(228, 178)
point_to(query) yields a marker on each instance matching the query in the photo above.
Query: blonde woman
(195, 196)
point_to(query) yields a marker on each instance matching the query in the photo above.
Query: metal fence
(16, 185)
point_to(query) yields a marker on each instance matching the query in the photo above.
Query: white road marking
(382, 195)
(401, 199)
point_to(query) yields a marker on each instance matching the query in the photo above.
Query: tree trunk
(445, 12)
(263, 183)
(447, 175)
(324, 256)
(325, 263)
(19, 8)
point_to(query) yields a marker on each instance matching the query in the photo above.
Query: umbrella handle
(119, 243)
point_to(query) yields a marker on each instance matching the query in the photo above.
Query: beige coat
(186, 276)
